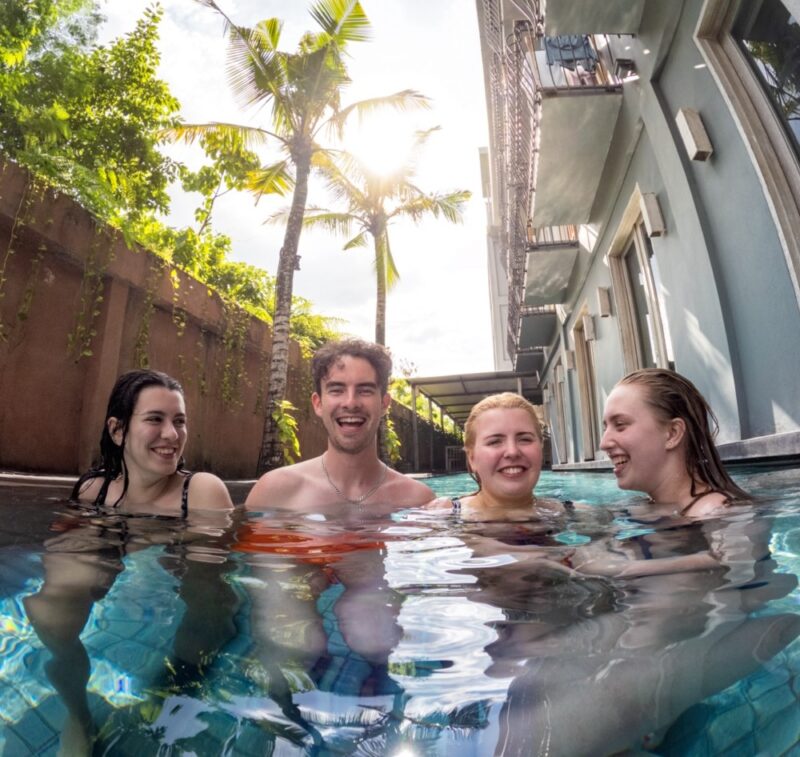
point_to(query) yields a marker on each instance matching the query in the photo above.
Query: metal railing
(551, 236)
(524, 67)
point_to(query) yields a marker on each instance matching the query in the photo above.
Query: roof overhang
(457, 394)
(591, 16)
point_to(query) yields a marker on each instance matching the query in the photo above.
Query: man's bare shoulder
(281, 486)
(407, 492)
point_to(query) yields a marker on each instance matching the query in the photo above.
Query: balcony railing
(551, 236)
(572, 63)
(524, 67)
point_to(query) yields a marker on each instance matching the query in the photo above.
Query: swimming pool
(410, 634)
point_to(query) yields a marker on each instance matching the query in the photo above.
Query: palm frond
(256, 69)
(404, 100)
(359, 240)
(392, 274)
(336, 223)
(314, 81)
(450, 206)
(249, 136)
(341, 180)
(342, 21)
(272, 179)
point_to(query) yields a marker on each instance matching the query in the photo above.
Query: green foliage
(400, 391)
(87, 118)
(392, 442)
(231, 165)
(286, 424)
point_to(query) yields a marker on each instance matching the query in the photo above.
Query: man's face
(350, 404)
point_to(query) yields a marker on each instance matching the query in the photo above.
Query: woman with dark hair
(141, 453)
(140, 496)
(659, 434)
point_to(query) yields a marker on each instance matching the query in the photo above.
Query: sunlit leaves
(342, 20)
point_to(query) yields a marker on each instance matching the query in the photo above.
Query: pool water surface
(407, 633)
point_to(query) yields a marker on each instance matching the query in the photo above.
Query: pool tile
(766, 680)
(773, 701)
(731, 726)
(782, 733)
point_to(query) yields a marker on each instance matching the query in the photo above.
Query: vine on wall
(26, 301)
(234, 342)
(90, 296)
(141, 350)
(19, 220)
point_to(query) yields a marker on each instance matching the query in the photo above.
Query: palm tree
(372, 202)
(303, 90)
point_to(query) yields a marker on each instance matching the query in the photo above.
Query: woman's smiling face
(507, 454)
(156, 433)
(635, 439)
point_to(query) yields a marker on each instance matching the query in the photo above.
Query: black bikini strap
(688, 507)
(185, 494)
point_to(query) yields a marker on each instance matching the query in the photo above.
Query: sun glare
(382, 142)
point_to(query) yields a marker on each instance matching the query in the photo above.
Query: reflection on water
(310, 635)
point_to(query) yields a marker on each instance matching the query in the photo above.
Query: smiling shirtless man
(351, 379)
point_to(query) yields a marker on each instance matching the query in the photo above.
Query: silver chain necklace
(359, 500)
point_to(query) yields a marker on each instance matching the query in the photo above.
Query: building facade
(644, 207)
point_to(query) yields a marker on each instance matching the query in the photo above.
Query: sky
(438, 314)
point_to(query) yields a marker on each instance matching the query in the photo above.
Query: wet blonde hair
(503, 401)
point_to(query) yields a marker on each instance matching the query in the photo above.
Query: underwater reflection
(628, 654)
(81, 564)
(365, 633)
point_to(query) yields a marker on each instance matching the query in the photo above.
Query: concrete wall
(63, 275)
(732, 312)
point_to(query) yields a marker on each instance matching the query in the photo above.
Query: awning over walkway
(456, 395)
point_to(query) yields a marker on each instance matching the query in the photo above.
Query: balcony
(551, 254)
(554, 92)
(579, 16)
(578, 96)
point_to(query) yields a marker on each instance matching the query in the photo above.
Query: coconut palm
(303, 90)
(372, 201)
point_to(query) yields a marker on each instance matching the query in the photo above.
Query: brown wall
(60, 270)
(52, 400)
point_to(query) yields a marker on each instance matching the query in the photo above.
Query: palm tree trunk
(271, 455)
(380, 305)
(380, 327)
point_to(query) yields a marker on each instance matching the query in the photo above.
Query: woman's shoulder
(88, 488)
(448, 504)
(207, 492)
(707, 504)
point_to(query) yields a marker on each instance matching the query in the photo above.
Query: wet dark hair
(329, 354)
(121, 404)
(674, 396)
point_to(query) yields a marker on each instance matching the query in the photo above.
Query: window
(638, 293)
(752, 49)
(587, 385)
(769, 37)
(559, 423)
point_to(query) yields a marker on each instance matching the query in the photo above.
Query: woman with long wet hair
(141, 464)
(659, 434)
